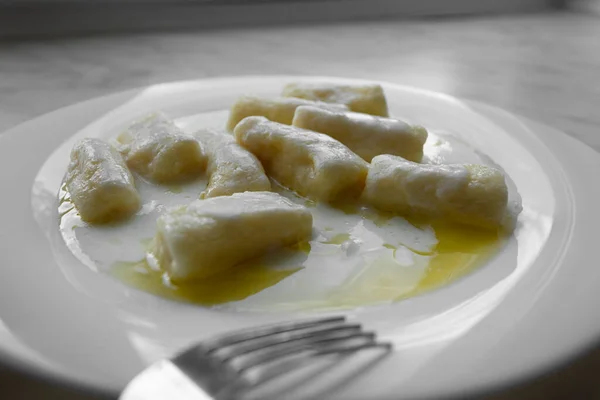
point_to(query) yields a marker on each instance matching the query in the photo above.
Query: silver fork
(229, 365)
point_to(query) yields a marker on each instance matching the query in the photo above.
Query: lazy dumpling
(470, 194)
(159, 150)
(364, 98)
(231, 168)
(276, 109)
(310, 163)
(100, 184)
(212, 235)
(366, 135)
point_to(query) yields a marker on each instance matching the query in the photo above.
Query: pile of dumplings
(326, 142)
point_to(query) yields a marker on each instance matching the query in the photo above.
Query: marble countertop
(545, 67)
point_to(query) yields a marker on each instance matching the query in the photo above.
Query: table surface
(543, 66)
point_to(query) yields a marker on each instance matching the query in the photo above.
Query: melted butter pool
(368, 258)
(459, 251)
(223, 288)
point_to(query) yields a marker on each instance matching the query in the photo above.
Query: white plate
(529, 308)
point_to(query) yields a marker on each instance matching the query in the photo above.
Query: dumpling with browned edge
(209, 236)
(465, 193)
(367, 98)
(276, 109)
(231, 168)
(366, 135)
(310, 163)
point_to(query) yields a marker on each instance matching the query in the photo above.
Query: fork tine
(281, 338)
(356, 347)
(259, 374)
(254, 333)
(251, 360)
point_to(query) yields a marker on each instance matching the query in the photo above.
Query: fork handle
(163, 380)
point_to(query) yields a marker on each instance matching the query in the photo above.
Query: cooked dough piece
(157, 149)
(100, 184)
(212, 235)
(310, 163)
(231, 168)
(366, 135)
(470, 194)
(277, 109)
(367, 98)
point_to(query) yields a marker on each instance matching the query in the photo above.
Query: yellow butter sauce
(230, 286)
(460, 250)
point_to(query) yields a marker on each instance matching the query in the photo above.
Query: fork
(228, 365)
